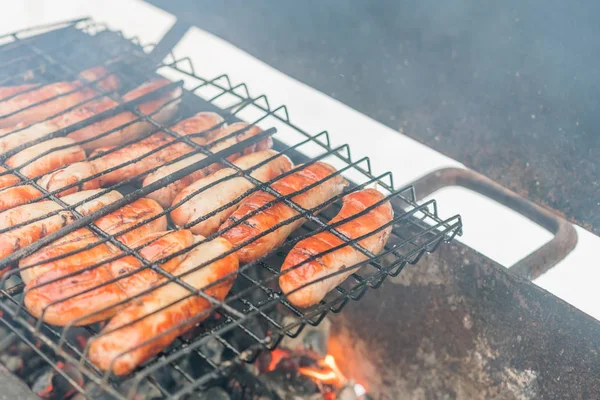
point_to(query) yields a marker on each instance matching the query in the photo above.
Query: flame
(328, 373)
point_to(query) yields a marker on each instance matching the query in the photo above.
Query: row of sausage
(223, 221)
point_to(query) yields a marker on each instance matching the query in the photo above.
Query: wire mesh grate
(255, 315)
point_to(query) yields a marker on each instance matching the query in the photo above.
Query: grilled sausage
(198, 123)
(89, 297)
(7, 179)
(22, 133)
(17, 195)
(118, 221)
(15, 239)
(72, 174)
(42, 164)
(240, 232)
(151, 328)
(11, 91)
(224, 192)
(53, 98)
(166, 195)
(298, 269)
(61, 178)
(161, 109)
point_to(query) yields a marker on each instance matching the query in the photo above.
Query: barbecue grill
(255, 316)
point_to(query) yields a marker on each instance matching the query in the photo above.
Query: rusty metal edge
(542, 259)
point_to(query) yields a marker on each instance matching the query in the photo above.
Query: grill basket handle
(539, 261)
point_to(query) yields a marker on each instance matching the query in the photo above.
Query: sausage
(166, 195)
(118, 221)
(220, 141)
(47, 162)
(61, 178)
(297, 270)
(74, 173)
(198, 123)
(239, 232)
(7, 179)
(224, 192)
(22, 133)
(69, 94)
(15, 239)
(11, 91)
(53, 301)
(17, 195)
(161, 109)
(121, 347)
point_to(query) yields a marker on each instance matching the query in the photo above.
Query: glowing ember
(276, 356)
(328, 372)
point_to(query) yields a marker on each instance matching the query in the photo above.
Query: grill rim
(448, 234)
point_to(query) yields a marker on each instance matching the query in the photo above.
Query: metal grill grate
(255, 315)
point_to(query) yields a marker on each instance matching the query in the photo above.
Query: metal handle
(170, 39)
(536, 263)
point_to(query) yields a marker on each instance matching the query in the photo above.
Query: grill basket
(255, 316)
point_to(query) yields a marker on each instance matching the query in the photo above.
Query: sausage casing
(23, 133)
(7, 179)
(166, 195)
(90, 297)
(240, 232)
(224, 192)
(153, 328)
(124, 218)
(53, 98)
(31, 163)
(162, 108)
(114, 159)
(17, 238)
(17, 195)
(298, 270)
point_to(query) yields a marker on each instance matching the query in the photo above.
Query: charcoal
(288, 384)
(93, 391)
(192, 364)
(312, 338)
(315, 340)
(254, 329)
(263, 361)
(213, 349)
(144, 391)
(214, 393)
(50, 384)
(13, 362)
(347, 392)
(244, 386)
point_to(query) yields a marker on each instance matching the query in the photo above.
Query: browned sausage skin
(13, 239)
(47, 156)
(141, 212)
(17, 195)
(305, 263)
(238, 232)
(90, 296)
(21, 105)
(151, 151)
(208, 200)
(218, 140)
(161, 108)
(7, 179)
(152, 322)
